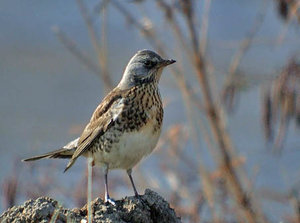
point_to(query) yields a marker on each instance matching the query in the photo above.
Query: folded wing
(102, 119)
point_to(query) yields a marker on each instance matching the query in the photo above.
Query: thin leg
(107, 198)
(132, 183)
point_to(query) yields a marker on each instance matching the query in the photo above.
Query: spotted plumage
(126, 125)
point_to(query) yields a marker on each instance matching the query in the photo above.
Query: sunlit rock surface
(149, 208)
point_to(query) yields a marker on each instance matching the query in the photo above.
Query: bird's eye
(149, 63)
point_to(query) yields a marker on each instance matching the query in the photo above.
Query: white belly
(130, 149)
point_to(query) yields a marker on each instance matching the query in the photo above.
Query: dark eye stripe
(149, 63)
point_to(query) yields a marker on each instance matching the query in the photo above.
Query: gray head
(144, 67)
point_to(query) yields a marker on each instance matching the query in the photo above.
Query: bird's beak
(165, 63)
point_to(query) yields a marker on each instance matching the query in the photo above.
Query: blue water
(45, 92)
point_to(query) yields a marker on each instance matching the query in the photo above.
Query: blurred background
(230, 146)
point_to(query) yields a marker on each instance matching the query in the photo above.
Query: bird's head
(144, 67)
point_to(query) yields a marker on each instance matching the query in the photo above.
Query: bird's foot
(140, 198)
(137, 195)
(108, 200)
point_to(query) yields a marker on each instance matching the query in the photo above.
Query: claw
(108, 200)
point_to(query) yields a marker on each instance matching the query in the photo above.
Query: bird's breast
(138, 127)
(130, 147)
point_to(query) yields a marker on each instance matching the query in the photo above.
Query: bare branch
(96, 45)
(73, 48)
(230, 86)
(204, 27)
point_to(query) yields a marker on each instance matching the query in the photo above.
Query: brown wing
(101, 121)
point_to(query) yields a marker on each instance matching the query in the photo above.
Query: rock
(149, 208)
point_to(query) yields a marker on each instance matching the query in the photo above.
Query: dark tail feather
(71, 162)
(62, 153)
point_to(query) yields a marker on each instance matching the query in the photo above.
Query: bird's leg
(129, 171)
(107, 198)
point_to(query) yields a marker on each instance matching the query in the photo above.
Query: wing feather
(101, 120)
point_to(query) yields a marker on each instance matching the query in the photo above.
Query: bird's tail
(65, 152)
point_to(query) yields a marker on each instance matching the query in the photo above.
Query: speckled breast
(135, 131)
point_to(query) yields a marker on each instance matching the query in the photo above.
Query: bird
(126, 125)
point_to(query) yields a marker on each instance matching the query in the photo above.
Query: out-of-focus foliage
(202, 173)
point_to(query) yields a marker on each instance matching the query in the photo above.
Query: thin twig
(146, 32)
(98, 9)
(96, 45)
(89, 191)
(284, 30)
(74, 49)
(204, 26)
(229, 89)
(218, 128)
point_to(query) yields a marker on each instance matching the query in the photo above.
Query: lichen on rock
(148, 208)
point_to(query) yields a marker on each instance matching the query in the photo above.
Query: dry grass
(281, 103)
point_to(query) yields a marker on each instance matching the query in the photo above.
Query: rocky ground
(149, 208)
